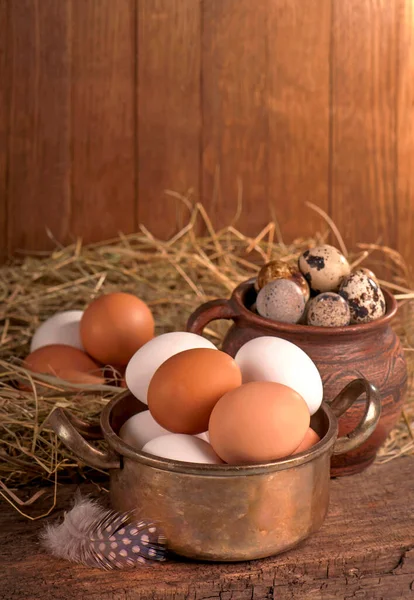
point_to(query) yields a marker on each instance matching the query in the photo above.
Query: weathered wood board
(365, 550)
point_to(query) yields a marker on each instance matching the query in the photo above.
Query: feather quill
(98, 537)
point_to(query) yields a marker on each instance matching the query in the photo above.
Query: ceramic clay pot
(370, 350)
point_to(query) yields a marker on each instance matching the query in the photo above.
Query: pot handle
(211, 311)
(72, 432)
(369, 421)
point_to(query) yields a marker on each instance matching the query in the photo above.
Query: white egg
(274, 359)
(179, 446)
(62, 328)
(151, 355)
(140, 429)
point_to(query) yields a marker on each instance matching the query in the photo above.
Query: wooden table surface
(365, 550)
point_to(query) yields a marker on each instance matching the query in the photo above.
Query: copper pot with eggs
(230, 469)
(340, 318)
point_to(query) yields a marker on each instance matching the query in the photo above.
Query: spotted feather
(103, 538)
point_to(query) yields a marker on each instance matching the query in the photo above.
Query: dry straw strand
(196, 264)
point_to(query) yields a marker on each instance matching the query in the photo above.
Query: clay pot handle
(210, 311)
(71, 430)
(369, 421)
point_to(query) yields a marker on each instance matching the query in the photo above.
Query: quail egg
(369, 273)
(364, 297)
(276, 269)
(281, 300)
(324, 267)
(328, 310)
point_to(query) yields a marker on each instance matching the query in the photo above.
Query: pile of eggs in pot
(203, 405)
(320, 291)
(206, 407)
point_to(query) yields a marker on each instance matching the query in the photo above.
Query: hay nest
(173, 277)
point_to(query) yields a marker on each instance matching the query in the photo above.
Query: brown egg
(65, 362)
(115, 326)
(311, 438)
(258, 422)
(184, 389)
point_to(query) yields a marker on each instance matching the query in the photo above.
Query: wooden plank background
(105, 105)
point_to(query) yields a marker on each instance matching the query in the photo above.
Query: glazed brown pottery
(370, 350)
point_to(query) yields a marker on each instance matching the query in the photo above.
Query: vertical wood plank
(168, 109)
(235, 117)
(405, 131)
(363, 120)
(38, 182)
(103, 124)
(266, 111)
(4, 110)
(298, 104)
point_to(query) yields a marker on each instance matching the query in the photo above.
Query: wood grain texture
(104, 105)
(39, 151)
(363, 72)
(298, 112)
(405, 131)
(364, 550)
(103, 118)
(168, 106)
(235, 135)
(4, 124)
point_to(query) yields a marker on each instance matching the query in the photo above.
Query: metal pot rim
(222, 470)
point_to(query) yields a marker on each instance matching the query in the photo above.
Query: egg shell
(61, 328)
(328, 310)
(281, 300)
(311, 438)
(141, 429)
(276, 269)
(187, 448)
(364, 297)
(324, 267)
(147, 359)
(65, 362)
(369, 273)
(258, 422)
(115, 326)
(184, 389)
(274, 359)
(273, 269)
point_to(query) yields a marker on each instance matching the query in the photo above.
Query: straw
(173, 277)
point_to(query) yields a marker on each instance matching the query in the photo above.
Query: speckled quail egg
(369, 273)
(328, 310)
(324, 267)
(364, 296)
(276, 269)
(281, 300)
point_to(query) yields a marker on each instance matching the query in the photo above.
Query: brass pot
(222, 512)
